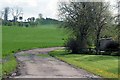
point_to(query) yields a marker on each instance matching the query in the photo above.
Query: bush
(72, 45)
(115, 53)
(27, 24)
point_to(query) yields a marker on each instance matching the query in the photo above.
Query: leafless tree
(40, 16)
(6, 13)
(118, 26)
(1, 14)
(16, 11)
(101, 19)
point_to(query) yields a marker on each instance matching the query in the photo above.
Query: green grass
(105, 66)
(22, 38)
(9, 65)
(15, 38)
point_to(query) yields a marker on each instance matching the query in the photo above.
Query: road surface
(34, 66)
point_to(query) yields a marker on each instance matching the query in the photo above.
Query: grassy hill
(19, 38)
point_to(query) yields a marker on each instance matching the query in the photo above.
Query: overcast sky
(31, 8)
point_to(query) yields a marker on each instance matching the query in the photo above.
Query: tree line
(17, 14)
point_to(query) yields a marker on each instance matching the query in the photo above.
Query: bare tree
(118, 26)
(1, 14)
(32, 19)
(101, 18)
(16, 11)
(40, 16)
(28, 19)
(117, 19)
(6, 13)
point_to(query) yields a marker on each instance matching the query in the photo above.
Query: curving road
(33, 66)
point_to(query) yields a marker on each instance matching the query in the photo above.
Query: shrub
(72, 45)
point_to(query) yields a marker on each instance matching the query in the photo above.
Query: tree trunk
(82, 44)
(97, 43)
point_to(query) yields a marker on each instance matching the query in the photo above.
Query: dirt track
(33, 66)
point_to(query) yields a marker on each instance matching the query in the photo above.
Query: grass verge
(9, 65)
(104, 66)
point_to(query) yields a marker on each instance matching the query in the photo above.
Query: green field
(15, 38)
(104, 66)
(22, 38)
